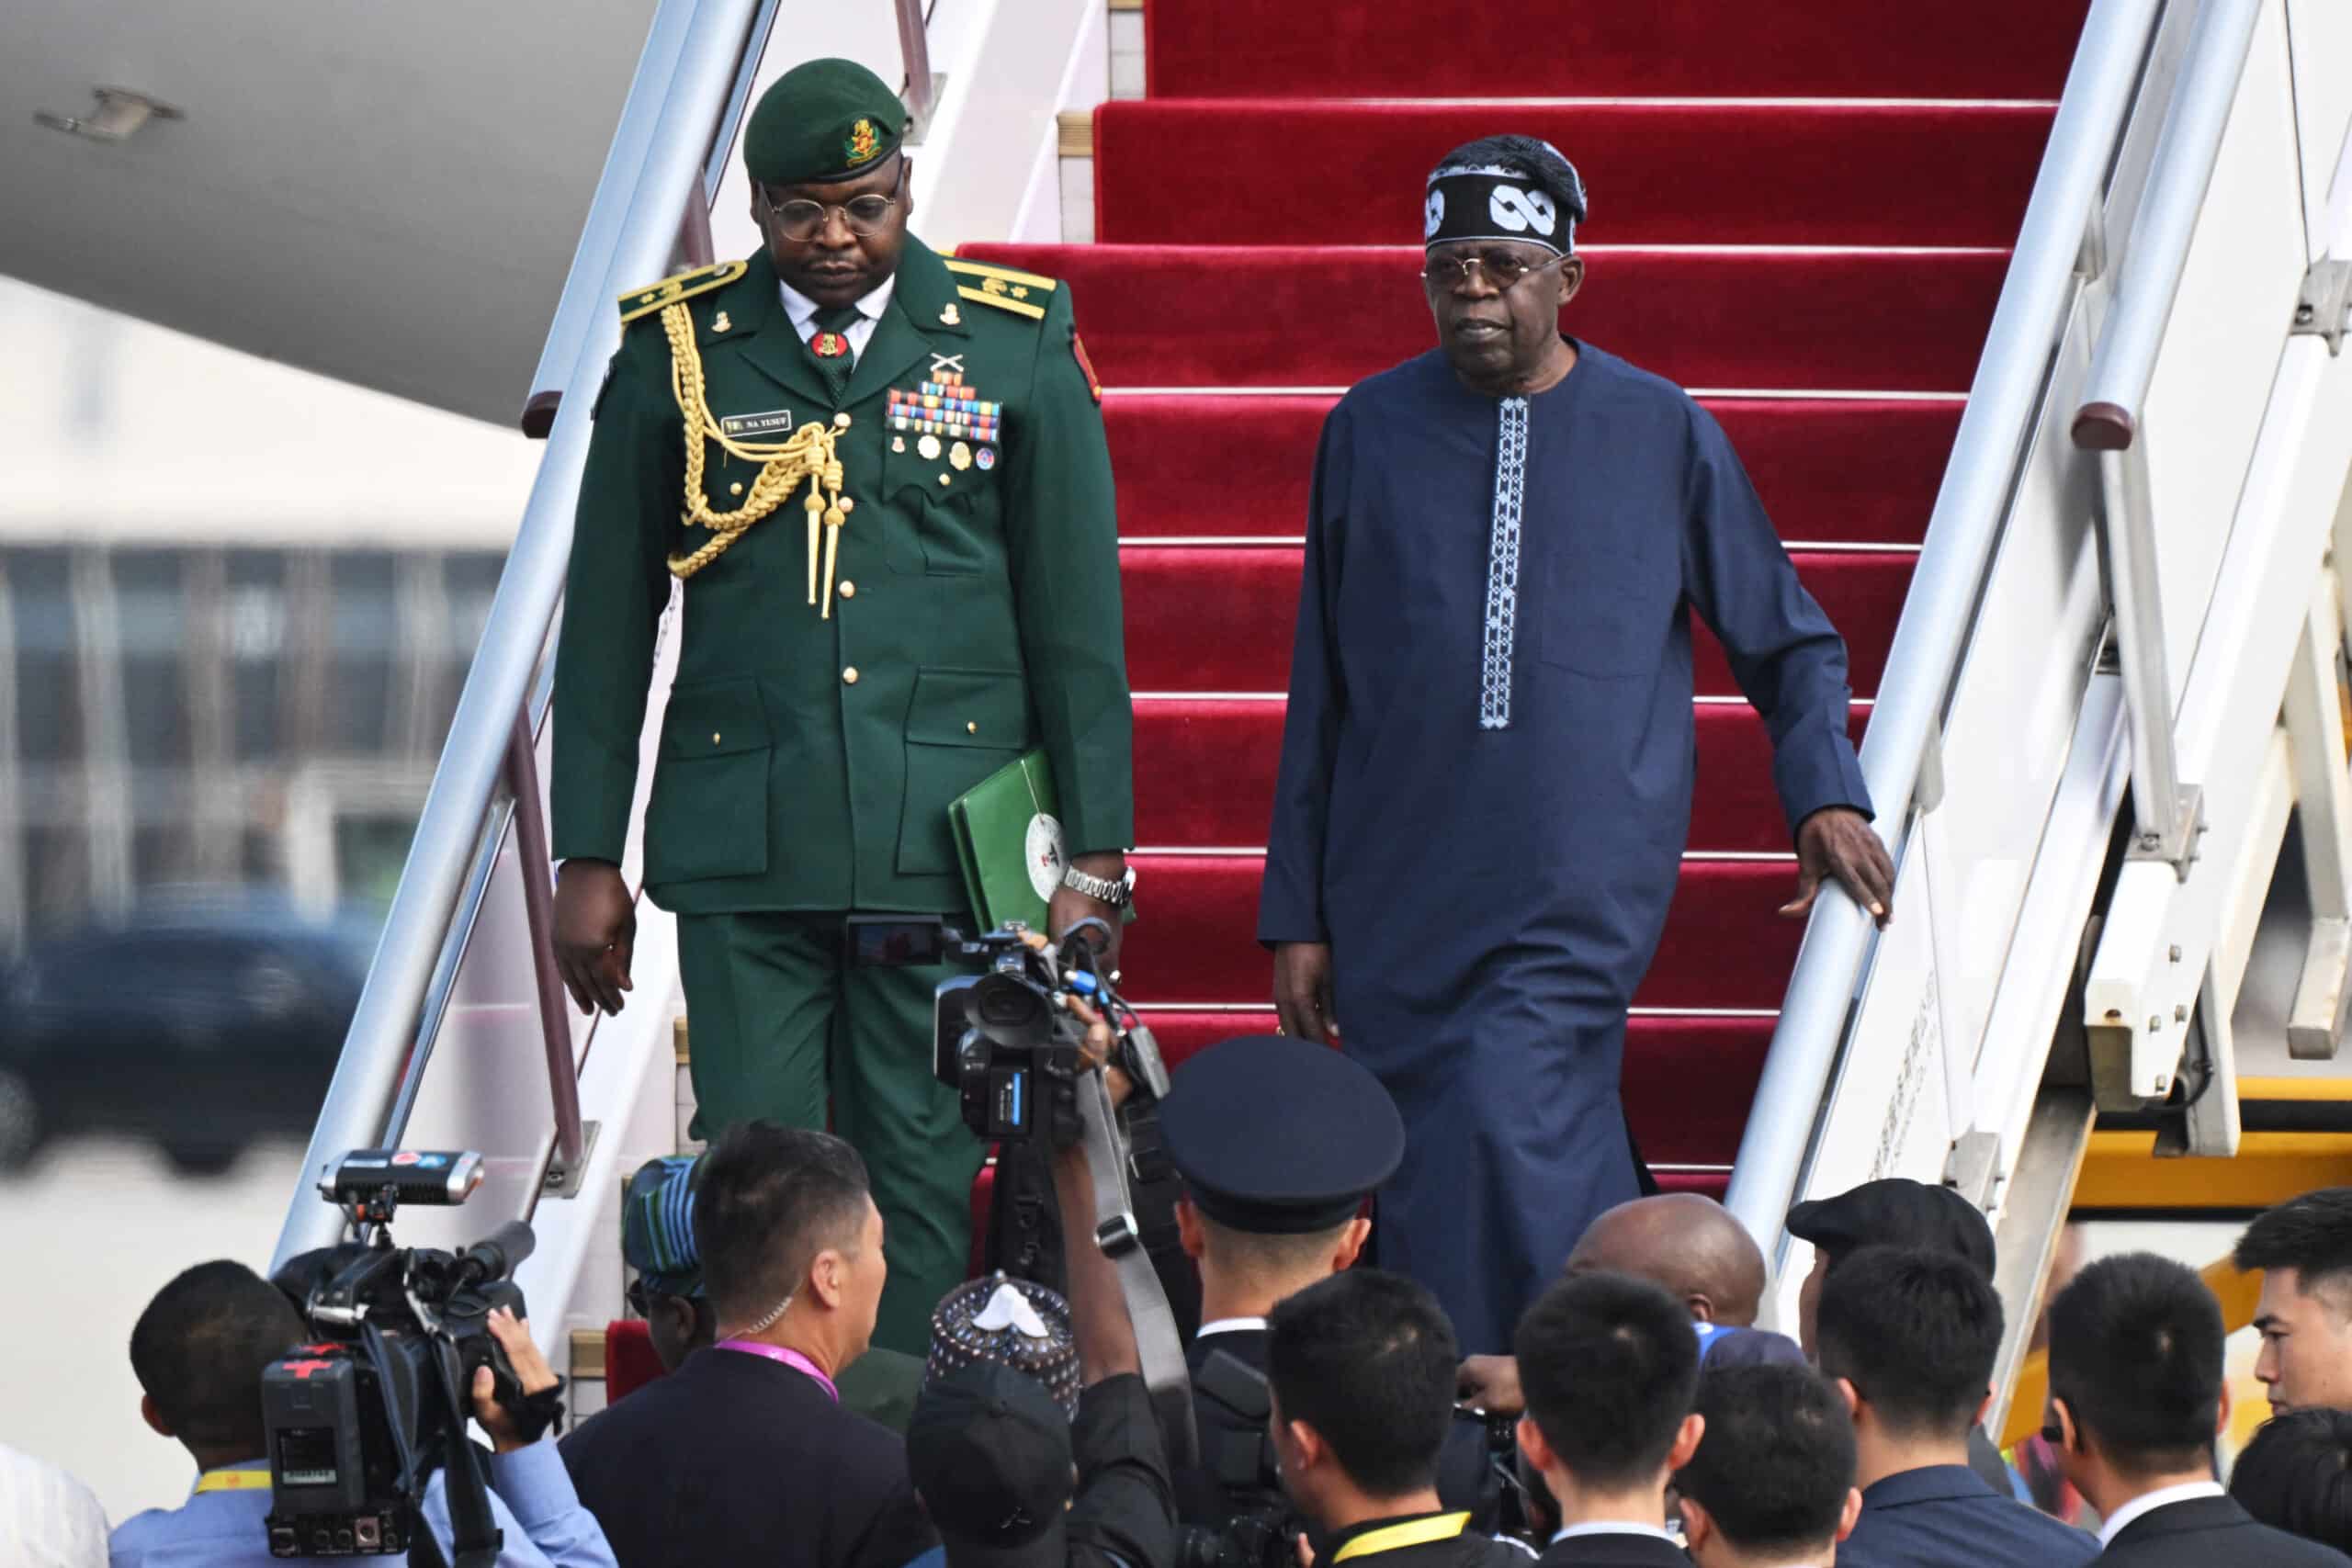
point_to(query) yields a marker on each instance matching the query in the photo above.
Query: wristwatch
(1118, 895)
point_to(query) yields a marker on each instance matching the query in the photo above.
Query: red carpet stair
(1801, 211)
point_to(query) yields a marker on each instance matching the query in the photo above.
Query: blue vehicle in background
(204, 1022)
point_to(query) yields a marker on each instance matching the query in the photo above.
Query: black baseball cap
(1896, 1213)
(990, 1450)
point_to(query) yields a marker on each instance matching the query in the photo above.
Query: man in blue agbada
(1488, 761)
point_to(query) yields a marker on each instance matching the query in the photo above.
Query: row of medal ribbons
(909, 411)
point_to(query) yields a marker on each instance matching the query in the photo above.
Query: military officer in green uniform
(881, 476)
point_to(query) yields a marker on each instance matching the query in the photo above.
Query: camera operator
(992, 1449)
(199, 1350)
(1362, 1368)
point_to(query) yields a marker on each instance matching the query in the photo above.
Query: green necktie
(828, 345)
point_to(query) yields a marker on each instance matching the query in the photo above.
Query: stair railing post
(538, 910)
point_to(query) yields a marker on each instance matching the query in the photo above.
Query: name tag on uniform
(777, 422)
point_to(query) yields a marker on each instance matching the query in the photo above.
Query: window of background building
(40, 610)
(254, 606)
(362, 635)
(151, 633)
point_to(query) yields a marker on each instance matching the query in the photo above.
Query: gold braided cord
(807, 455)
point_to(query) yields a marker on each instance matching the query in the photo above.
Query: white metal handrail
(1923, 663)
(694, 52)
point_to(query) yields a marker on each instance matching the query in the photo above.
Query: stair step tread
(1758, 321)
(1206, 768)
(1195, 940)
(1221, 617)
(1662, 174)
(1688, 1076)
(1830, 470)
(1992, 48)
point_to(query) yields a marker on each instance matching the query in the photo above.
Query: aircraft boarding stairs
(2107, 746)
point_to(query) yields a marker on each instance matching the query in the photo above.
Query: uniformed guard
(1279, 1142)
(880, 475)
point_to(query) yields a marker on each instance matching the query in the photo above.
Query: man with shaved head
(1685, 1243)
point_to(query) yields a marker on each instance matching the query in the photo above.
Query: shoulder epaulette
(1003, 287)
(686, 285)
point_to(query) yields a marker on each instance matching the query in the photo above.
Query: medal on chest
(948, 417)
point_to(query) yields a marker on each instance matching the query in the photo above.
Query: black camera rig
(360, 1419)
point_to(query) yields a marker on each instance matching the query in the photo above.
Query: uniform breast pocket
(1610, 593)
(962, 725)
(709, 816)
(954, 478)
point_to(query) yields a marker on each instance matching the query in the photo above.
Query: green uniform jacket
(977, 607)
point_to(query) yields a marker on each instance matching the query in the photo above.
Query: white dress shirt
(48, 1519)
(1613, 1527)
(1230, 1326)
(802, 311)
(2149, 1501)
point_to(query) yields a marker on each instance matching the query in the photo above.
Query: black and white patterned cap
(1015, 1323)
(1498, 192)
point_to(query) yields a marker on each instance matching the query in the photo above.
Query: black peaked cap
(1275, 1135)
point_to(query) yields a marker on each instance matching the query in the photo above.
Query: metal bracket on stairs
(2324, 305)
(1973, 1167)
(565, 1179)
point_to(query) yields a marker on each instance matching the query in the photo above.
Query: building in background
(238, 602)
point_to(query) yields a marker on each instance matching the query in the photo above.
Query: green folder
(1009, 841)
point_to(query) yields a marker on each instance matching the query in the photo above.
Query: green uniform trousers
(779, 1026)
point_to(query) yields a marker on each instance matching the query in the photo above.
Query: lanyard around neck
(233, 1480)
(792, 1359)
(1411, 1532)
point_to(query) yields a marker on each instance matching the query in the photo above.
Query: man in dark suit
(1609, 1367)
(1908, 1335)
(2136, 1397)
(743, 1454)
(1772, 1483)
(1362, 1374)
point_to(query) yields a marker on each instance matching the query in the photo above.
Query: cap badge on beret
(864, 142)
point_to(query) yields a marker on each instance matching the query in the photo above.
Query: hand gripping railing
(687, 81)
(1970, 510)
(2165, 811)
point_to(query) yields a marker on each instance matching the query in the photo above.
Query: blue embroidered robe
(1487, 775)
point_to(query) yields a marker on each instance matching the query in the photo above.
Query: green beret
(821, 122)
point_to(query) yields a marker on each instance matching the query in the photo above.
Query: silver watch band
(1116, 894)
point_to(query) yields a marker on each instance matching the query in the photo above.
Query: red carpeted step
(1276, 316)
(1863, 48)
(1659, 174)
(1195, 940)
(1221, 618)
(1688, 1077)
(1832, 470)
(1204, 774)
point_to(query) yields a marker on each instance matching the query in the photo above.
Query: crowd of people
(1641, 1420)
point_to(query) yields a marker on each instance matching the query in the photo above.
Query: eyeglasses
(1503, 268)
(867, 215)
